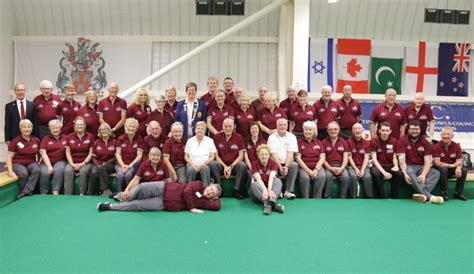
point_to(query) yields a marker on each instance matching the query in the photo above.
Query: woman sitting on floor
(21, 159)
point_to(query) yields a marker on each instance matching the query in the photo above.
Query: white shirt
(200, 152)
(281, 145)
(18, 105)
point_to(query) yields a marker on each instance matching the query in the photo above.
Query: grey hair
(218, 189)
(309, 124)
(46, 83)
(54, 122)
(177, 124)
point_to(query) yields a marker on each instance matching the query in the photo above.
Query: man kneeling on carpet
(168, 196)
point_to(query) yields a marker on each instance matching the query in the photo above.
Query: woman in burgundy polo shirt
(171, 100)
(244, 116)
(151, 170)
(53, 155)
(173, 153)
(129, 151)
(79, 155)
(21, 159)
(163, 117)
(67, 109)
(300, 113)
(266, 186)
(89, 112)
(140, 110)
(103, 160)
(218, 112)
(269, 115)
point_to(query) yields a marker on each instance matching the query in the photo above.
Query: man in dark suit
(17, 110)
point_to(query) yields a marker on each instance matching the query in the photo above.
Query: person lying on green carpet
(169, 196)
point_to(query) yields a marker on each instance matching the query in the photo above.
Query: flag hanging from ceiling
(321, 63)
(453, 71)
(421, 68)
(386, 68)
(353, 58)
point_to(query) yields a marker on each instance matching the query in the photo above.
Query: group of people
(224, 134)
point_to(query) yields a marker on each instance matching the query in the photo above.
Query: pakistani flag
(386, 69)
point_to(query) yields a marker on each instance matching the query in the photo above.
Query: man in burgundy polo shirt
(349, 112)
(447, 157)
(359, 159)
(154, 139)
(168, 196)
(385, 162)
(388, 111)
(230, 98)
(327, 111)
(414, 157)
(258, 104)
(230, 155)
(113, 110)
(212, 84)
(419, 110)
(46, 107)
(337, 158)
(290, 101)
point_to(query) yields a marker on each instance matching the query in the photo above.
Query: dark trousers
(446, 173)
(345, 133)
(101, 174)
(322, 133)
(395, 182)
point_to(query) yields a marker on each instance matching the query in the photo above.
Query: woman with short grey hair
(173, 153)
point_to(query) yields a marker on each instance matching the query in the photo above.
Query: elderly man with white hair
(359, 159)
(283, 146)
(327, 111)
(310, 157)
(46, 107)
(419, 110)
(290, 101)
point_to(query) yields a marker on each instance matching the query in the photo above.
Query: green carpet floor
(68, 235)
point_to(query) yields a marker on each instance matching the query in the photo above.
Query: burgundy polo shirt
(104, 152)
(54, 148)
(243, 121)
(231, 101)
(299, 115)
(79, 147)
(129, 148)
(335, 153)
(171, 108)
(252, 148)
(358, 150)
(264, 171)
(395, 117)
(175, 150)
(90, 117)
(257, 105)
(24, 151)
(287, 105)
(112, 112)
(348, 113)
(424, 115)
(207, 99)
(310, 151)
(165, 119)
(147, 173)
(447, 154)
(46, 110)
(385, 150)
(141, 114)
(150, 142)
(269, 119)
(67, 110)
(326, 114)
(185, 197)
(219, 115)
(228, 150)
(414, 151)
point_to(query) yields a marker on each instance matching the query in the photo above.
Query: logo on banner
(82, 66)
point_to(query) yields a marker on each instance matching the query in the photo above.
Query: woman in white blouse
(200, 150)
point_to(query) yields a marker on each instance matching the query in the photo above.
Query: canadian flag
(353, 58)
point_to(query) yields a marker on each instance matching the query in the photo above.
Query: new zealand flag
(453, 69)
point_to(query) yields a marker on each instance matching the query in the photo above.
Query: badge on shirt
(63, 143)
(40, 106)
(423, 117)
(106, 108)
(354, 108)
(333, 110)
(50, 143)
(340, 148)
(199, 195)
(55, 104)
(111, 148)
(76, 109)
(20, 145)
(278, 115)
(87, 141)
(398, 114)
(420, 149)
(452, 155)
(234, 147)
(160, 172)
(389, 146)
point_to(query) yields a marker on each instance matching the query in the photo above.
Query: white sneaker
(419, 198)
(436, 200)
(288, 195)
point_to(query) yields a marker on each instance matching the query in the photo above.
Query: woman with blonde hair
(171, 101)
(89, 112)
(269, 115)
(129, 151)
(103, 159)
(140, 110)
(21, 159)
(67, 109)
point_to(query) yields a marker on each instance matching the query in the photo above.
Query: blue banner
(460, 117)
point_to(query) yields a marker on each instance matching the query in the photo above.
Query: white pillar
(300, 43)
(282, 52)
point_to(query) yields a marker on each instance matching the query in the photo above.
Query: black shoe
(267, 210)
(21, 195)
(445, 195)
(279, 208)
(103, 206)
(236, 194)
(460, 196)
(111, 196)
